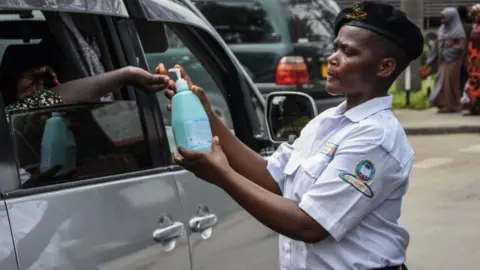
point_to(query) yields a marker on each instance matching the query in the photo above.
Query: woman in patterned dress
(473, 64)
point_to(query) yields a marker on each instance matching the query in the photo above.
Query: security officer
(335, 194)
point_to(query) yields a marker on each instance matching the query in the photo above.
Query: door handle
(169, 233)
(199, 224)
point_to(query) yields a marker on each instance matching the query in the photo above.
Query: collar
(365, 109)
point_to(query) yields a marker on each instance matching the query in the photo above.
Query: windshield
(313, 20)
(239, 22)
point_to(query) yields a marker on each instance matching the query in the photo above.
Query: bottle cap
(181, 84)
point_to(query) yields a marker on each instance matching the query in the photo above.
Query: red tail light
(292, 70)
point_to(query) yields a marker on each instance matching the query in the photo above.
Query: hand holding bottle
(172, 90)
(190, 113)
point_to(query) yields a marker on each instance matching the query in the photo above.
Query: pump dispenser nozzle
(180, 83)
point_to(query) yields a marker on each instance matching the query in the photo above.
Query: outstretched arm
(94, 87)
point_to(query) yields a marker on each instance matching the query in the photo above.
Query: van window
(55, 142)
(312, 20)
(239, 22)
(87, 141)
(179, 53)
(30, 16)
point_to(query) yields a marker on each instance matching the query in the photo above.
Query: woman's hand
(145, 80)
(211, 167)
(34, 79)
(170, 92)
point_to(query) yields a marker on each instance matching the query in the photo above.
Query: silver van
(126, 205)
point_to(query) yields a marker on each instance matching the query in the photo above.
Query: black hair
(387, 49)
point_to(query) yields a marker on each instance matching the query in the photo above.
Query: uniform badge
(357, 13)
(364, 174)
(329, 149)
(365, 170)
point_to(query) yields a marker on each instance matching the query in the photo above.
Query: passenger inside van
(47, 64)
(40, 74)
(38, 81)
(39, 87)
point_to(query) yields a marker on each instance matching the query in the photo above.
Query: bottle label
(198, 133)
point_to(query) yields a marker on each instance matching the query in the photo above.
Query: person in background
(467, 26)
(446, 58)
(472, 87)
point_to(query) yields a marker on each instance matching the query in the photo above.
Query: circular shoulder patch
(365, 170)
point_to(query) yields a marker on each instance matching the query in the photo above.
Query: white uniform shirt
(348, 170)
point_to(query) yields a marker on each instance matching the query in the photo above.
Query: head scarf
(453, 28)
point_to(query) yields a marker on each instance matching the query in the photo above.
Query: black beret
(385, 20)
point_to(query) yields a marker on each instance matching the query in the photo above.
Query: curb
(442, 130)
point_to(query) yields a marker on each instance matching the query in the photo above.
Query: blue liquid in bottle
(58, 145)
(190, 124)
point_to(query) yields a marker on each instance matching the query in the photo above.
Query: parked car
(125, 206)
(283, 44)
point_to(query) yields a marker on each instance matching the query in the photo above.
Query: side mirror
(287, 113)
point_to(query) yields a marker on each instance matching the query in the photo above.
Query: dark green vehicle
(282, 44)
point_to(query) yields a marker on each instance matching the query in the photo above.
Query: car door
(120, 209)
(221, 234)
(7, 248)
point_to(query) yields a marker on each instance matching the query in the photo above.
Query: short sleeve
(276, 163)
(358, 179)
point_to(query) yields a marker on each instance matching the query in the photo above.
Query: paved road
(442, 207)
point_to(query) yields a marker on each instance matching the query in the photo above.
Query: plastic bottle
(190, 124)
(58, 145)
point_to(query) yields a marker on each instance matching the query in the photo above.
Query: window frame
(128, 35)
(10, 183)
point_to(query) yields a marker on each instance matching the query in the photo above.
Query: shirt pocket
(315, 165)
(304, 172)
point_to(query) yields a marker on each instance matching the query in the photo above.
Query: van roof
(101, 7)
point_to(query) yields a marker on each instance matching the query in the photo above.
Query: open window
(58, 143)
